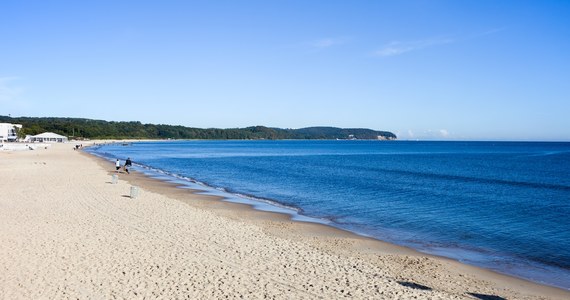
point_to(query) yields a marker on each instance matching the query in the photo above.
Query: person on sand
(128, 164)
(117, 165)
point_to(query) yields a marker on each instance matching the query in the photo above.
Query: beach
(66, 231)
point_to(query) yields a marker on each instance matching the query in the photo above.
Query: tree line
(79, 128)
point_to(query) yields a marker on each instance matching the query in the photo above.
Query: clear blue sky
(469, 70)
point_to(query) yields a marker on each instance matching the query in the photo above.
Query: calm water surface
(499, 205)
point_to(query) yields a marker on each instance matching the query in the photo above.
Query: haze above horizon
(446, 70)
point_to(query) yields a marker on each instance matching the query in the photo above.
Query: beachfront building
(48, 137)
(8, 132)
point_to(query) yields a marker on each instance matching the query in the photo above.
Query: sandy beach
(66, 231)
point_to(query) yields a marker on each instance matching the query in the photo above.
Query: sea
(503, 206)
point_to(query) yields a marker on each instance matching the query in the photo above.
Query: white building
(8, 132)
(48, 137)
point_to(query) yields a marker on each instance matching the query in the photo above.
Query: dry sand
(67, 232)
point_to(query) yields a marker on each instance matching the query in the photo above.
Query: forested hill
(99, 129)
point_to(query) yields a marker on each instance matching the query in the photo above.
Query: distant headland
(79, 128)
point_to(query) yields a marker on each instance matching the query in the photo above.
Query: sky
(443, 70)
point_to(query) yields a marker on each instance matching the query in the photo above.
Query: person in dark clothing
(128, 164)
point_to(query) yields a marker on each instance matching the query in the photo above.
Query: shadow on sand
(486, 297)
(414, 285)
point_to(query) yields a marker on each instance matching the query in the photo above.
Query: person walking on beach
(128, 164)
(117, 165)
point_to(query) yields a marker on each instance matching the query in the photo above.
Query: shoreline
(308, 228)
(67, 231)
(295, 214)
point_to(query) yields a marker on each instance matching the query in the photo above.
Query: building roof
(50, 135)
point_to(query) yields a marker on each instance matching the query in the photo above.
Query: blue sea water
(499, 205)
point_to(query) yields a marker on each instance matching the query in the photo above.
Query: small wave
(551, 186)
(269, 201)
(549, 153)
